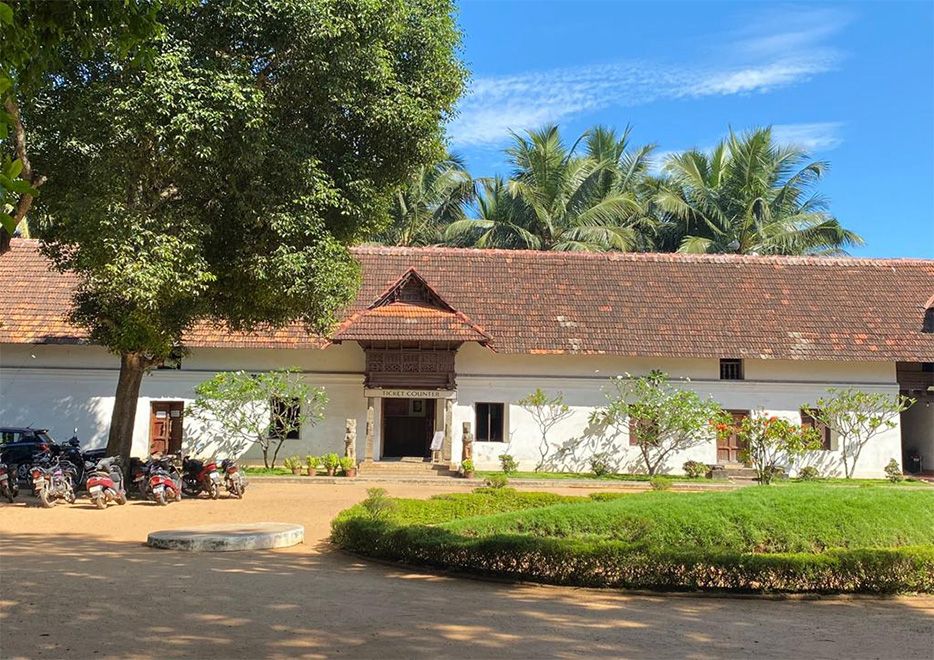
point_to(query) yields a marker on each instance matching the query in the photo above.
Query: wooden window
(808, 421)
(490, 422)
(284, 416)
(731, 369)
(648, 427)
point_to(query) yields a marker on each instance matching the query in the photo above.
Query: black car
(19, 445)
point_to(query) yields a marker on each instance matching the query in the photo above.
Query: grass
(568, 475)
(805, 518)
(795, 538)
(644, 477)
(279, 471)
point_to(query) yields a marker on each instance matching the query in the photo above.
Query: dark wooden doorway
(165, 426)
(729, 448)
(408, 425)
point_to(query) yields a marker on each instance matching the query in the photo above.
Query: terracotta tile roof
(400, 321)
(668, 305)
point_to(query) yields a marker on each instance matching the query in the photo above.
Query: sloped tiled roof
(668, 305)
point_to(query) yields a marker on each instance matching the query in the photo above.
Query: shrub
(467, 466)
(293, 463)
(377, 505)
(695, 469)
(601, 464)
(509, 464)
(313, 462)
(330, 461)
(497, 481)
(893, 471)
(347, 463)
(659, 482)
(770, 441)
(809, 473)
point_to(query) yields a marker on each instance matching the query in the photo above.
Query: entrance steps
(406, 467)
(734, 471)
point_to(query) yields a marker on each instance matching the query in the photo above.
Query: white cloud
(766, 55)
(810, 137)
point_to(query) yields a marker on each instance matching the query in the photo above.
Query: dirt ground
(80, 583)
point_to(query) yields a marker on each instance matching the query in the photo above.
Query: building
(441, 337)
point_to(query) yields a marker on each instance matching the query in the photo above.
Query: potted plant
(467, 469)
(294, 464)
(331, 463)
(348, 466)
(312, 462)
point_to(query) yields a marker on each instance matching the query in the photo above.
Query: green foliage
(347, 463)
(658, 482)
(377, 505)
(772, 443)
(331, 461)
(467, 466)
(695, 469)
(508, 464)
(665, 419)
(601, 464)
(857, 417)
(804, 539)
(546, 412)
(893, 471)
(497, 481)
(242, 406)
(809, 473)
(313, 462)
(749, 196)
(292, 463)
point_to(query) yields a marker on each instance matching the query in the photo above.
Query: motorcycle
(165, 482)
(51, 483)
(233, 480)
(8, 487)
(105, 483)
(200, 477)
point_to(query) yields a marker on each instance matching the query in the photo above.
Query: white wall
(61, 387)
(918, 429)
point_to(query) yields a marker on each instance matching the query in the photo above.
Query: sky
(852, 82)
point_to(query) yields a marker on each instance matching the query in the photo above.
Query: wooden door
(408, 425)
(165, 426)
(729, 447)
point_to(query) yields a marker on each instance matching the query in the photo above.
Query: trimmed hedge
(616, 564)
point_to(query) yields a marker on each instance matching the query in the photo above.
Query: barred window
(731, 369)
(490, 422)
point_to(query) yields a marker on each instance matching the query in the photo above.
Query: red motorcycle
(200, 477)
(8, 487)
(233, 480)
(105, 483)
(165, 483)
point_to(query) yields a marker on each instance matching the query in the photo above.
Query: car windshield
(42, 436)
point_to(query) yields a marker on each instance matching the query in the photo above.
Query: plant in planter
(893, 471)
(294, 463)
(312, 462)
(331, 462)
(509, 464)
(467, 469)
(695, 469)
(348, 466)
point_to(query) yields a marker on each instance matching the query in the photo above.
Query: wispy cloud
(756, 59)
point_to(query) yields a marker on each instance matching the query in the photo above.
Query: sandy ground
(80, 583)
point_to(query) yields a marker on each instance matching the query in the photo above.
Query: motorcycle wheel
(235, 490)
(46, 499)
(121, 498)
(9, 493)
(160, 498)
(99, 502)
(214, 491)
(70, 497)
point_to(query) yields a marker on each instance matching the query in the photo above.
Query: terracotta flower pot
(468, 475)
(296, 470)
(310, 471)
(331, 472)
(350, 472)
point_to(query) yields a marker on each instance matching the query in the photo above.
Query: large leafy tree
(558, 198)
(434, 197)
(222, 182)
(37, 37)
(749, 195)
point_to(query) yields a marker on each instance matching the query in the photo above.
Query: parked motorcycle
(233, 479)
(51, 483)
(105, 482)
(165, 481)
(200, 477)
(8, 487)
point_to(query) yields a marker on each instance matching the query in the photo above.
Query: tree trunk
(4, 240)
(120, 441)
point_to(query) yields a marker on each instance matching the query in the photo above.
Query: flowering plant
(772, 442)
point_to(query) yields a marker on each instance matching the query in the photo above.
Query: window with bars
(490, 422)
(808, 421)
(731, 369)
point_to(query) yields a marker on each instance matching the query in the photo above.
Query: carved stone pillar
(350, 439)
(370, 423)
(448, 423)
(467, 450)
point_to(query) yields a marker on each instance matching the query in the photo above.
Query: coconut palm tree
(749, 196)
(554, 200)
(434, 197)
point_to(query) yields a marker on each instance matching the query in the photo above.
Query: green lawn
(644, 477)
(797, 537)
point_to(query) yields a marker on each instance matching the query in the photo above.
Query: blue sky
(852, 82)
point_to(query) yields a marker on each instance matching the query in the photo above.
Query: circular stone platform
(226, 538)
